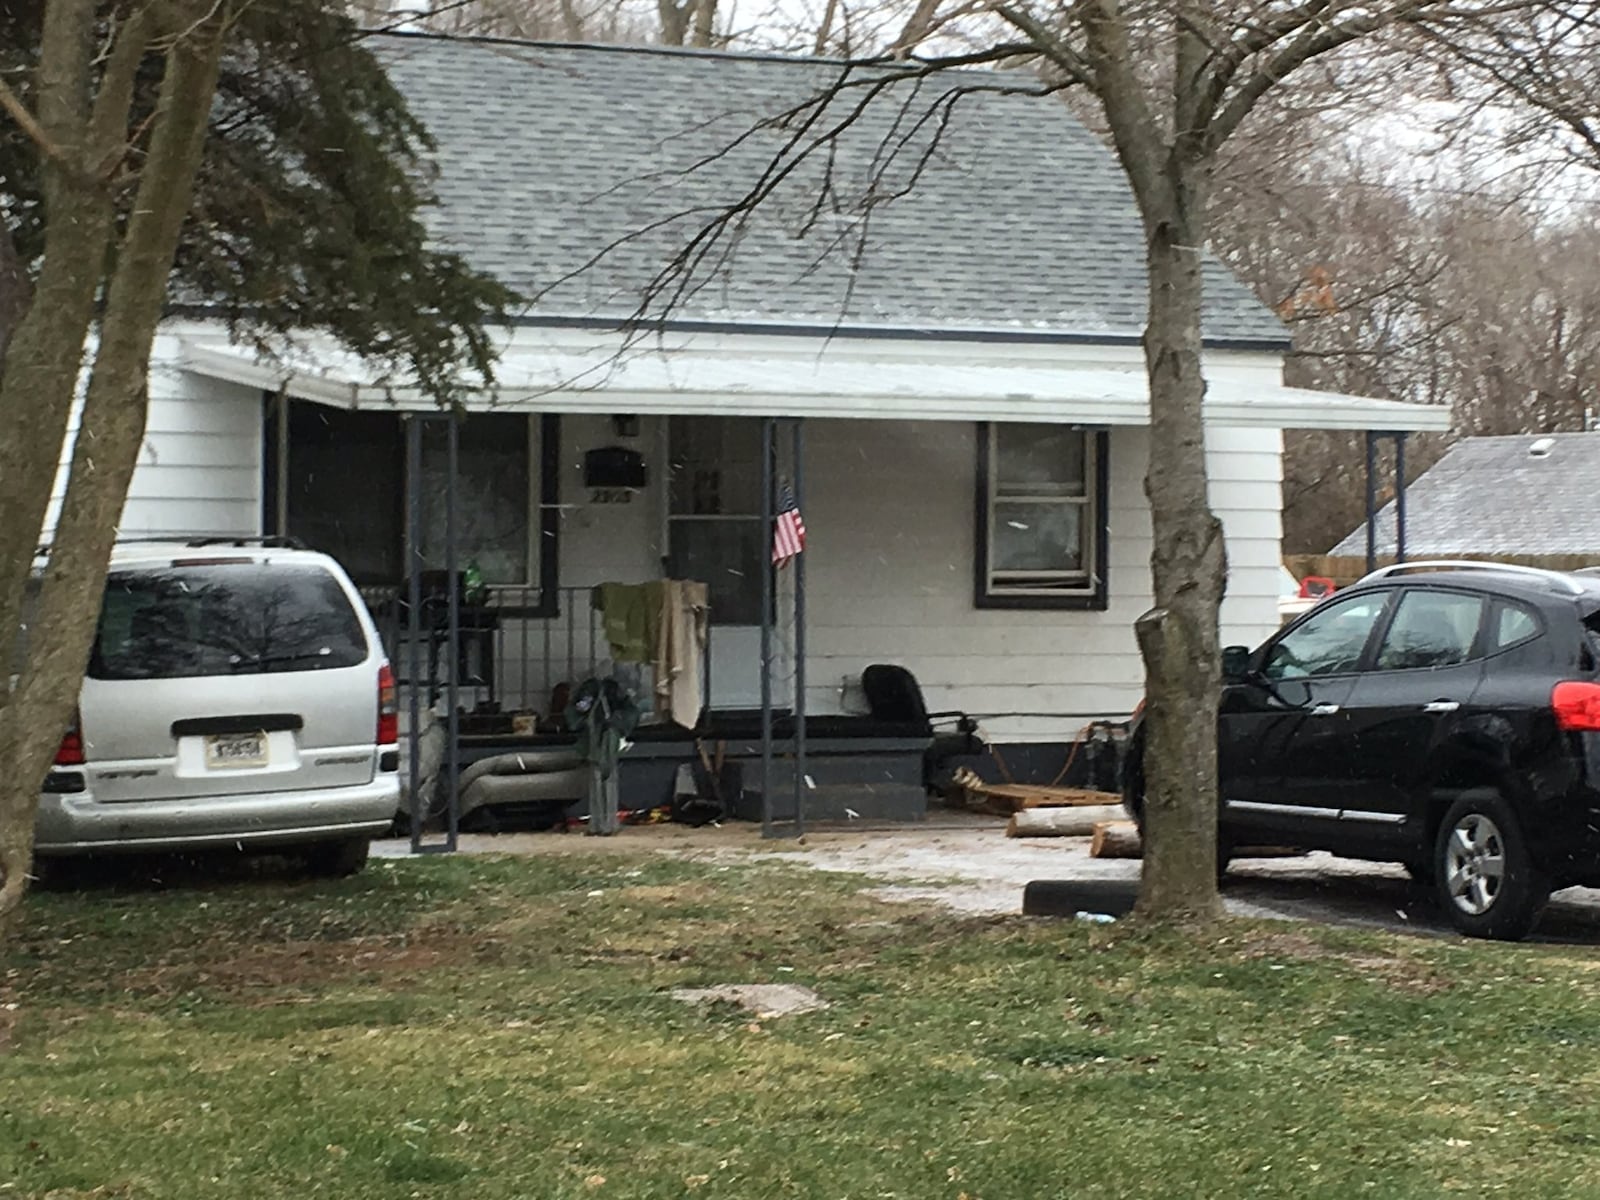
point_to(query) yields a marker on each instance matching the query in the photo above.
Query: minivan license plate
(236, 751)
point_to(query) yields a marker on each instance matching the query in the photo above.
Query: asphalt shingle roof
(1490, 495)
(548, 154)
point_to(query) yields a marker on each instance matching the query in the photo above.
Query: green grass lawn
(502, 1028)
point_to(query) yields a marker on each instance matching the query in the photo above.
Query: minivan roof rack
(271, 541)
(1561, 579)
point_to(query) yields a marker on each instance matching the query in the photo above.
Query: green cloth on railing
(628, 612)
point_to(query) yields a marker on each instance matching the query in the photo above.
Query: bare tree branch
(18, 112)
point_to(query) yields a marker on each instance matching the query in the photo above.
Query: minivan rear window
(247, 617)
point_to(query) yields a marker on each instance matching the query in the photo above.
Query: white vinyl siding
(199, 468)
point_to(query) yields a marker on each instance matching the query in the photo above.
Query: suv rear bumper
(79, 824)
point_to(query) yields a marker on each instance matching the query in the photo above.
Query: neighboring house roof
(1021, 223)
(1498, 495)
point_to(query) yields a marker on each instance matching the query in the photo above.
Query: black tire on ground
(1484, 877)
(1224, 855)
(335, 860)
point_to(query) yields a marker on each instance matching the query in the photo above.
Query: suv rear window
(224, 619)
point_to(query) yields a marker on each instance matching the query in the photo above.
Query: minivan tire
(1485, 879)
(335, 860)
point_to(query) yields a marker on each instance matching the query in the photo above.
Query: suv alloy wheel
(1486, 880)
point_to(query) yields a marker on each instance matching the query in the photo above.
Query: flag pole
(766, 625)
(799, 641)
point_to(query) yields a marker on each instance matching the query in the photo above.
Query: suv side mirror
(1235, 664)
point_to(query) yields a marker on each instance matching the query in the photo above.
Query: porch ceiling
(645, 381)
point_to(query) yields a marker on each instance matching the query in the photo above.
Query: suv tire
(1484, 876)
(335, 860)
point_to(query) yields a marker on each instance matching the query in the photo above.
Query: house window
(714, 527)
(1041, 508)
(493, 513)
(343, 480)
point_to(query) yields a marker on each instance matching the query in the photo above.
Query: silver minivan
(237, 695)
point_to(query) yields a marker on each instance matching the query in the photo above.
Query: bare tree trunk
(1168, 169)
(674, 21)
(45, 351)
(1188, 566)
(705, 23)
(825, 27)
(917, 27)
(111, 431)
(571, 21)
(16, 292)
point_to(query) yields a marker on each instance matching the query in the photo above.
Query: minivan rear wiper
(261, 661)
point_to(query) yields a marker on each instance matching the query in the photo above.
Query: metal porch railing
(513, 654)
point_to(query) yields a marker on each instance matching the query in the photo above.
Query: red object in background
(1314, 587)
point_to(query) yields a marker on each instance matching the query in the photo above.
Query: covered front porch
(975, 515)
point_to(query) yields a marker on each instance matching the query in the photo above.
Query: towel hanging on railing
(665, 623)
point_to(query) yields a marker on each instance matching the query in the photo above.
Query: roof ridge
(1525, 437)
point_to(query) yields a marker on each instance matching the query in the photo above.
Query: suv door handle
(1441, 706)
(1324, 710)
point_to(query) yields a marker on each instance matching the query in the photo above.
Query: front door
(715, 534)
(1284, 737)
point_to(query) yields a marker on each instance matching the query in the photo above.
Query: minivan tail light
(388, 708)
(1577, 705)
(70, 752)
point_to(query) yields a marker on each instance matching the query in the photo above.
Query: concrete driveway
(965, 863)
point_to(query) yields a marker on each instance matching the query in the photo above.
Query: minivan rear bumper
(78, 824)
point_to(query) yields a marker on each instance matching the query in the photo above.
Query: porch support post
(1372, 502)
(452, 752)
(799, 640)
(766, 624)
(413, 562)
(280, 483)
(1400, 497)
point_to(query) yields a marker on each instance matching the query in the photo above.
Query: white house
(965, 358)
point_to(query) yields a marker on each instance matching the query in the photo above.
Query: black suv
(1441, 715)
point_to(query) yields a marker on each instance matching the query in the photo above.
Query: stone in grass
(762, 999)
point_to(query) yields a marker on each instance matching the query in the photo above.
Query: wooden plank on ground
(1006, 798)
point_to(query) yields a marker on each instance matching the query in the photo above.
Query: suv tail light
(70, 752)
(389, 708)
(1577, 705)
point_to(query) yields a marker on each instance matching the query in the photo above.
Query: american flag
(788, 531)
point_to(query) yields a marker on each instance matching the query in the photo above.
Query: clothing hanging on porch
(626, 612)
(682, 622)
(664, 623)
